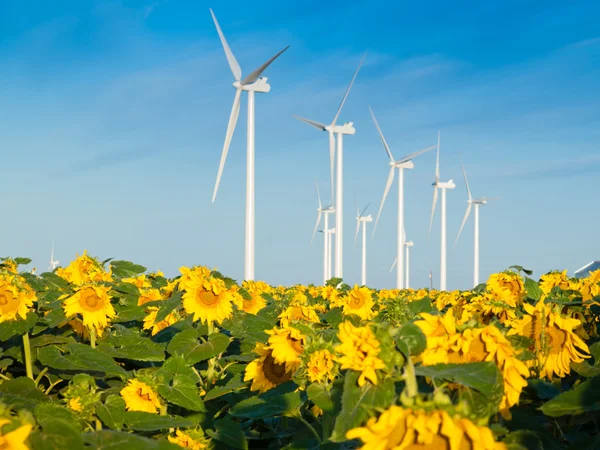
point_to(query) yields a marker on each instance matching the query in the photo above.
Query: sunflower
(256, 302)
(485, 308)
(190, 439)
(300, 313)
(139, 396)
(507, 287)
(206, 297)
(287, 345)
(265, 373)
(331, 294)
(554, 279)
(84, 269)
(15, 439)
(298, 295)
(359, 349)
(140, 281)
(13, 301)
(75, 404)
(92, 303)
(554, 343)
(320, 366)
(399, 428)
(150, 321)
(149, 295)
(359, 301)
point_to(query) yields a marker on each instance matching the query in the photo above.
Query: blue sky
(113, 115)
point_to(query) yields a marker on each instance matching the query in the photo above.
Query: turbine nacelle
(347, 128)
(444, 184)
(402, 164)
(409, 244)
(327, 210)
(368, 218)
(259, 85)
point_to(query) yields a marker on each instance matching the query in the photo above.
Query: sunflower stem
(27, 350)
(39, 377)
(325, 422)
(210, 373)
(410, 378)
(98, 425)
(163, 410)
(93, 337)
(309, 426)
(211, 327)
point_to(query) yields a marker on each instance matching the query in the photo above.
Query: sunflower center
(3, 300)
(275, 373)
(297, 346)
(90, 301)
(206, 297)
(143, 396)
(8, 302)
(356, 302)
(555, 339)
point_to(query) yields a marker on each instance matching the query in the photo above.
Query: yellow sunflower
(75, 404)
(553, 279)
(14, 440)
(139, 396)
(149, 295)
(507, 287)
(150, 321)
(320, 366)
(359, 301)
(13, 301)
(359, 351)
(84, 269)
(206, 297)
(300, 313)
(265, 373)
(400, 428)
(256, 301)
(287, 345)
(184, 440)
(92, 303)
(141, 281)
(554, 342)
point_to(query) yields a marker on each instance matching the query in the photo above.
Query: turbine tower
(337, 199)
(362, 219)
(401, 164)
(53, 262)
(326, 245)
(476, 202)
(251, 84)
(407, 245)
(443, 186)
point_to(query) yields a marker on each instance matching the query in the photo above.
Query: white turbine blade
(388, 185)
(233, 117)
(316, 226)
(312, 123)
(466, 181)
(348, 91)
(233, 64)
(487, 199)
(357, 230)
(435, 196)
(415, 154)
(394, 265)
(363, 212)
(319, 195)
(404, 234)
(387, 148)
(437, 160)
(332, 163)
(256, 73)
(462, 225)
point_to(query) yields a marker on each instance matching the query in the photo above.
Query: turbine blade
(415, 154)
(388, 184)
(462, 225)
(312, 123)
(316, 226)
(357, 230)
(437, 160)
(466, 181)
(435, 196)
(332, 163)
(387, 148)
(490, 198)
(394, 265)
(319, 195)
(257, 73)
(363, 212)
(233, 64)
(233, 117)
(348, 90)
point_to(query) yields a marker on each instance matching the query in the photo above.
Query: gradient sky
(113, 115)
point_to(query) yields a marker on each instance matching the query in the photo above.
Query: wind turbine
(443, 186)
(362, 219)
(251, 84)
(477, 202)
(326, 245)
(53, 262)
(407, 245)
(337, 198)
(400, 164)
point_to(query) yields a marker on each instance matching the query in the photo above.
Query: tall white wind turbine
(407, 245)
(337, 198)
(443, 186)
(362, 219)
(476, 202)
(53, 262)
(400, 164)
(251, 84)
(324, 211)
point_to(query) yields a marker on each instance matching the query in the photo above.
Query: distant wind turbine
(400, 164)
(337, 198)
(443, 186)
(53, 262)
(362, 219)
(407, 245)
(326, 245)
(477, 202)
(251, 84)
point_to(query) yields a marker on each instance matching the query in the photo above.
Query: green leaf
(126, 269)
(230, 433)
(481, 376)
(595, 352)
(357, 401)
(233, 384)
(183, 391)
(21, 393)
(283, 399)
(48, 411)
(168, 306)
(115, 440)
(81, 358)
(585, 370)
(20, 261)
(527, 439)
(419, 306)
(127, 344)
(521, 269)
(49, 339)
(414, 338)
(112, 411)
(55, 280)
(533, 289)
(543, 389)
(334, 317)
(187, 344)
(583, 398)
(249, 327)
(145, 421)
(329, 400)
(17, 327)
(56, 434)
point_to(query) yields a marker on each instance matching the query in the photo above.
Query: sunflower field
(105, 355)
